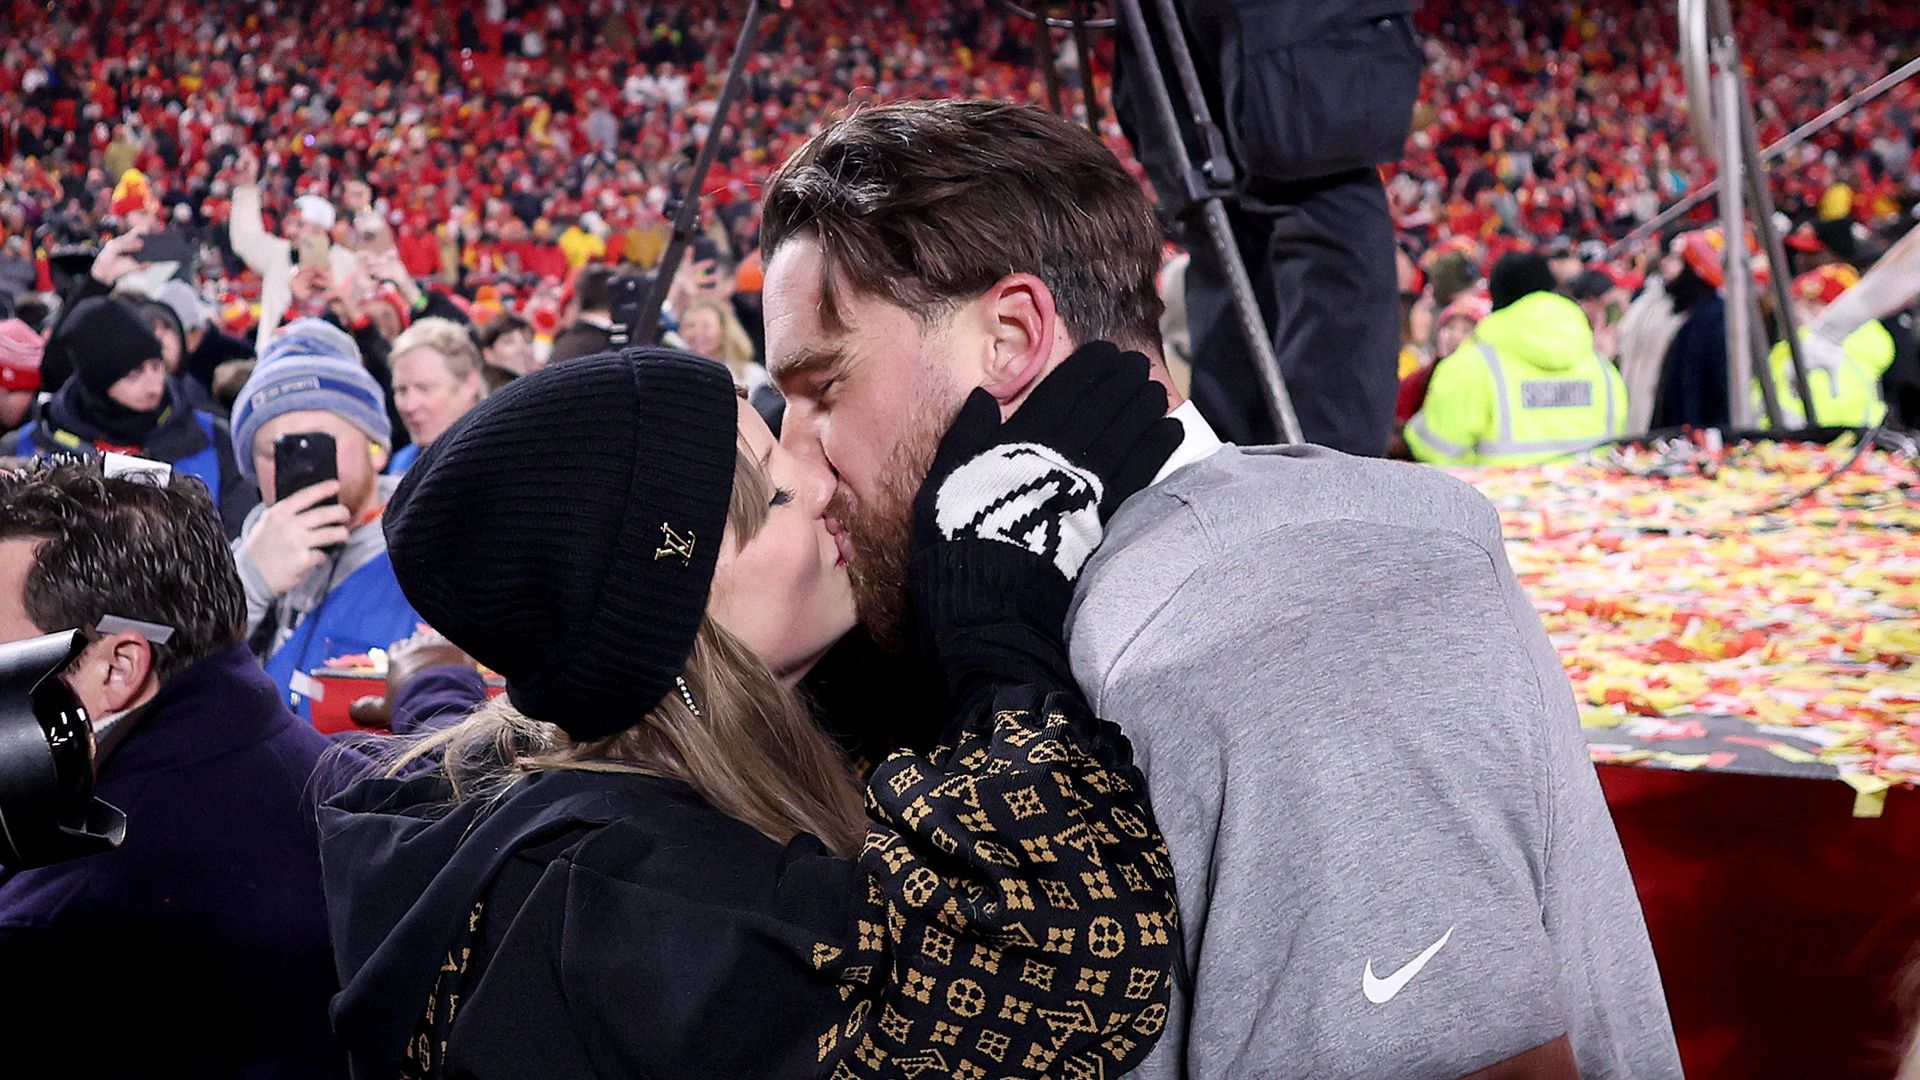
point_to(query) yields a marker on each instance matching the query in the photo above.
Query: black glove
(1010, 512)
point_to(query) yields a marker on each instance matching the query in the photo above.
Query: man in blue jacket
(315, 563)
(199, 946)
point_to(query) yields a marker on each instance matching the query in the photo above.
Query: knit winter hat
(192, 311)
(20, 351)
(105, 340)
(564, 531)
(309, 364)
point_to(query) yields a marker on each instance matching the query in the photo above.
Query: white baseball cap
(315, 209)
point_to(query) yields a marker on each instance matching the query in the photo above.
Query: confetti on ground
(1669, 598)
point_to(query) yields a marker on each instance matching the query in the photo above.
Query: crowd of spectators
(469, 161)
(510, 142)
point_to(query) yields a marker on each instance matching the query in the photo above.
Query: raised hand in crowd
(119, 256)
(295, 533)
(311, 283)
(385, 266)
(246, 168)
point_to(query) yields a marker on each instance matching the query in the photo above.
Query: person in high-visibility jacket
(1526, 387)
(1844, 380)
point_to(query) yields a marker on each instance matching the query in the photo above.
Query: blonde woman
(646, 859)
(436, 379)
(709, 328)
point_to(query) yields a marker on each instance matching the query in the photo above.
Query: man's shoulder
(1225, 531)
(1243, 496)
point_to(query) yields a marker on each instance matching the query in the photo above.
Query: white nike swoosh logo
(1381, 991)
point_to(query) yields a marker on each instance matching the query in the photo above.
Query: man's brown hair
(928, 203)
(126, 546)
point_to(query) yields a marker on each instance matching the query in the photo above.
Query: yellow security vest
(1527, 387)
(1850, 397)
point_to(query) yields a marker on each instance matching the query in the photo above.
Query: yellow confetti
(1869, 793)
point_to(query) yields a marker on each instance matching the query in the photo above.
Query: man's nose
(800, 436)
(817, 484)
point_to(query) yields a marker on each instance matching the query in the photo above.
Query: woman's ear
(1021, 326)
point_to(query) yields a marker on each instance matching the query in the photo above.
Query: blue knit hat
(309, 365)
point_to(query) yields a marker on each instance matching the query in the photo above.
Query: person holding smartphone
(312, 428)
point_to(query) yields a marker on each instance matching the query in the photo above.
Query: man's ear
(113, 674)
(378, 455)
(1022, 327)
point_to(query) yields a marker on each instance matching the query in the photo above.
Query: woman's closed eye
(781, 497)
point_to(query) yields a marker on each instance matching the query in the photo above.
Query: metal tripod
(1208, 183)
(1722, 118)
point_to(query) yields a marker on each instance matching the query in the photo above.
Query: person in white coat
(270, 256)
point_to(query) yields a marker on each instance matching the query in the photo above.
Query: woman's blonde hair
(736, 348)
(753, 750)
(445, 337)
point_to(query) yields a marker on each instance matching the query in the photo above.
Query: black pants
(1320, 257)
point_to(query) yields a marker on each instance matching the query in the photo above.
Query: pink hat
(20, 352)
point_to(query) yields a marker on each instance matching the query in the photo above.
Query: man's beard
(881, 536)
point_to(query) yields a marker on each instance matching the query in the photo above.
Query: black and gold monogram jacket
(1011, 915)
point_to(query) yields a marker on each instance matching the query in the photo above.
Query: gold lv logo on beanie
(675, 545)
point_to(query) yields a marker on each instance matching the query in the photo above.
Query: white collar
(1198, 444)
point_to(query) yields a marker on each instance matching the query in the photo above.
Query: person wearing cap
(165, 323)
(1451, 330)
(318, 581)
(200, 943)
(21, 348)
(1527, 387)
(1692, 387)
(648, 855)
(272, 257)
(120, 399)
(1843, 376)
(205, 344)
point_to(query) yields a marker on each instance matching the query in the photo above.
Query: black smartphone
(302, 459)
(169, 245)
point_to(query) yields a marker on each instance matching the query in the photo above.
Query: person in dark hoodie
(198, 947)
(121, 399)
(167, 327)
(1693, 376)
(646, 859)
(205, 345)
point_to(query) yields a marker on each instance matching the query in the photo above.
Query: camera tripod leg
(1203, 191)
(687, 213)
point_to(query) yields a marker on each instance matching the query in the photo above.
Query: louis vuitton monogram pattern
(428, 1046)
(1020, 918)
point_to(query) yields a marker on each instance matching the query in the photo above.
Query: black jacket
(198, 948)
(1300, 89)
(616, 924)
(215, 348)
(578, 340)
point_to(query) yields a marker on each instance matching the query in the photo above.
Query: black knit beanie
(105, 340)
(564, 532)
